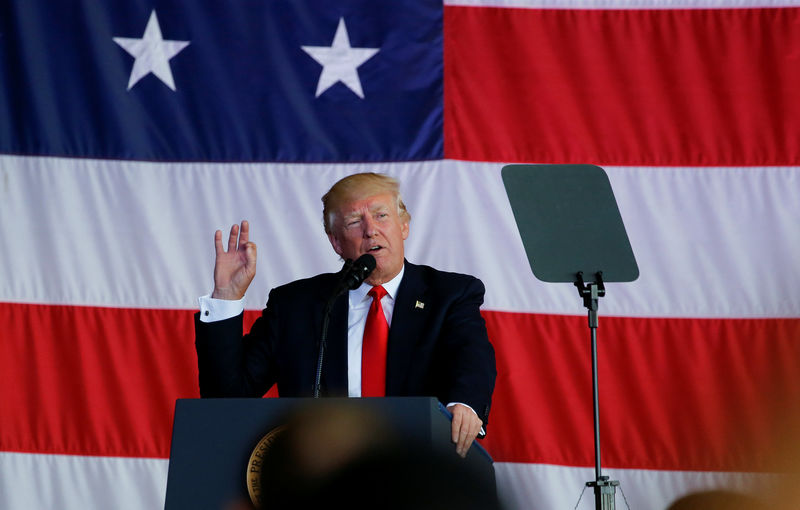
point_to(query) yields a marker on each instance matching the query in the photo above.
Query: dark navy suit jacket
(438, 345)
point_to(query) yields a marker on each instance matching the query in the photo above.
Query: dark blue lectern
(213, 439)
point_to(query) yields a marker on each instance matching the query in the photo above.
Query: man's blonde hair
(358, 187)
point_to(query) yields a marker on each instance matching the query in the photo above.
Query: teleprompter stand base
(604, 493)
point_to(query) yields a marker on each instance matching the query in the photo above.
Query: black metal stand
(604, 489)
(556, 225)
(323, 345)
(326, 320)
(353, 274)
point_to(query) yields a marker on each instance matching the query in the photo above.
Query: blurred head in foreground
(718, 500)
(344, 455)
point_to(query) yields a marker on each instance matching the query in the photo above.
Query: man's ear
(404, 230)
(337, 246)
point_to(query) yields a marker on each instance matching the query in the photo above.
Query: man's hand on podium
(465, 427)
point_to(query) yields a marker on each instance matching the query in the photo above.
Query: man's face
(372, 226)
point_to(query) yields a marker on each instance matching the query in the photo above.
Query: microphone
(358, 272)
(354, 275)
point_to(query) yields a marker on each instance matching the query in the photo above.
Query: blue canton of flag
(214, 81)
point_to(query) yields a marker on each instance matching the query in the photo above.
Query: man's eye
(353, 223)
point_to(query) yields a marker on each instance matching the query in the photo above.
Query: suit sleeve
(231, 364)
(469, 356)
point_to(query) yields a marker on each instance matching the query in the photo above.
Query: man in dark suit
(436, 342)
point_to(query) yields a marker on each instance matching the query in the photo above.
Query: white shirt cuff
(213, 310)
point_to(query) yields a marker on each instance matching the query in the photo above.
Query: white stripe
(542, 486)
(72, 482)
(626, 4)
(710, 242)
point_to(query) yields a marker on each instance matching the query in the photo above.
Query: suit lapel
(408, 321)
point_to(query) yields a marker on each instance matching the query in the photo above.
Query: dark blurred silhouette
(346, 456)
(718, 500)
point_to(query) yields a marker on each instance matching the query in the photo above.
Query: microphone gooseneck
(354, 274)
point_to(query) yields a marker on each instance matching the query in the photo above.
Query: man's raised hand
(235, 268)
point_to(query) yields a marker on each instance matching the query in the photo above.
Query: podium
(213, 441)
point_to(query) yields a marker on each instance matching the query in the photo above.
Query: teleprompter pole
(604, 489)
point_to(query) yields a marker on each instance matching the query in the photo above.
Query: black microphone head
(366, 261)
(360, 270)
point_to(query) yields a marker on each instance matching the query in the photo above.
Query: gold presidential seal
(256, 463)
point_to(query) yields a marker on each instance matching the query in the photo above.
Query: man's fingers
(464, 439)
(235, 268)
(244, 233)
(465, 428)
(250, 252)
(232, 238)
(218, 242)
(460, 430)
(456, 427)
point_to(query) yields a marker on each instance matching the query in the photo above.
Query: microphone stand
(326, 320)
(353, 274)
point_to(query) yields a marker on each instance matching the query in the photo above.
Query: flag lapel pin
(419, 305)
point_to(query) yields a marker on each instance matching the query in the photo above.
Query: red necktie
(373, 355)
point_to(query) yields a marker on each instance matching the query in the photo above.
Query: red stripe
(676, 393)
(682, 394)
(623, 87)
(93, 381)
(105, 383)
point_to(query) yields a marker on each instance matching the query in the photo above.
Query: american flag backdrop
(131, 130)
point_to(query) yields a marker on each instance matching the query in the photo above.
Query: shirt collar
(359, 295)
